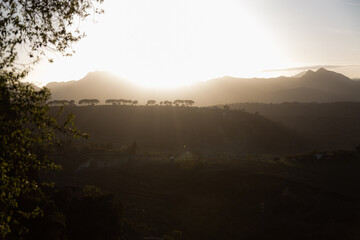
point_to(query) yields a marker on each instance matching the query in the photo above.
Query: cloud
(304, 68)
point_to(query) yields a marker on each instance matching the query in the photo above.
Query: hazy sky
(168, 43)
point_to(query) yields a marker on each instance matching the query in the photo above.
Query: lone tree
(72, 103)
(189, 102)
(168, 103)
(151, 102)
(110, 101)
(178, 102)
(38, 26)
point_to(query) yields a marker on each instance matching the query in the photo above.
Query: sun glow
(164, 43)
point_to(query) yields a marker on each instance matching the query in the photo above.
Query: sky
(164, 43)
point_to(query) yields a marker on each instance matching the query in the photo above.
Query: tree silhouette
(25, 123)
(89, 101)
(83, 101)
(151, 102)
(168, 103)
(189, 102)
(58, 103)
(110, 101)
(135, 102)
(178, 102)
(94, 101)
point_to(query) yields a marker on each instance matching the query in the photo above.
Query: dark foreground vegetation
(188, 195)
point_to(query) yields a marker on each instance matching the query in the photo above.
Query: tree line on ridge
(92, 102)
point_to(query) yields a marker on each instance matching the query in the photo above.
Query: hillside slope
(173, 128)
(327, 125)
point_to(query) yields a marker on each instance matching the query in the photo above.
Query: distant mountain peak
(320, 85)
(323, 73)
(322, 70)
(307, 74)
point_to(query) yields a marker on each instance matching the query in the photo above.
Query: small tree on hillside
(151, 102)
(189, 102)
(84, 101)
(167, 103)
(94, 101)
(110, 101)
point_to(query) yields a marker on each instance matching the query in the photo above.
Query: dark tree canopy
(39, 26)
(89, 101)
(25, 128)
(151, 102)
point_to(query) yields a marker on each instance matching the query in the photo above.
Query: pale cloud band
(304, 68)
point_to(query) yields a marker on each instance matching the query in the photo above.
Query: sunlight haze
(172, 43)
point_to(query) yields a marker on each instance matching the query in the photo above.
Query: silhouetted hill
(302, 94)
(310, 86)
(94, 85)
(172, 128)
(327, 125)
(333, 83)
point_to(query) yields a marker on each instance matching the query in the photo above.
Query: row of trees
(121, 102)
(61, 103)
(72, 102)
(169, 103)
(89, 101)
(150, 102)
(183, 102)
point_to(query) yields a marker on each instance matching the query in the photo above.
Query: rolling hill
(326, 125)
(203, 130)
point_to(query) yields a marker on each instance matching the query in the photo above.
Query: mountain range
(310, 86)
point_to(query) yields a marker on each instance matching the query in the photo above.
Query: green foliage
(25, 127)
(40, 26)
(25, 123)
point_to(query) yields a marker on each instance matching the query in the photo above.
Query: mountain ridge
(320, 86)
